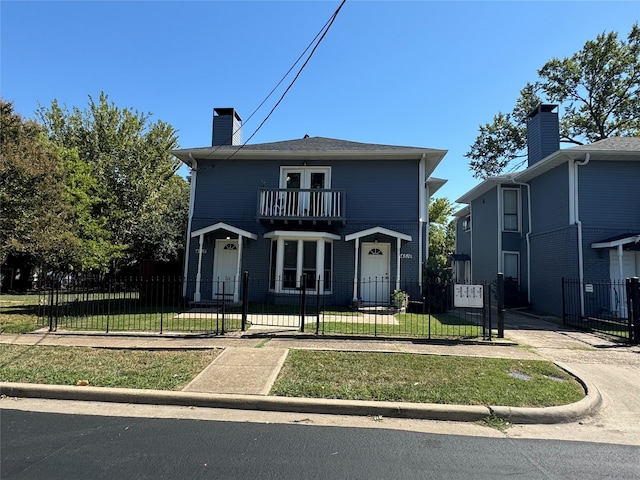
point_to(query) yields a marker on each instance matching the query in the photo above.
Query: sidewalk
(243, 374)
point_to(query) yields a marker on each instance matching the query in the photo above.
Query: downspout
(527, 236)
(192, 197)
(576, 207)
(423, 215)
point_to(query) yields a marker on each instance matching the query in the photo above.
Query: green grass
(409, 324)
(19, 313)
(151, 321)
(424, 379)
(141, 369)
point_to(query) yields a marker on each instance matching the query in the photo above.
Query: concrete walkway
(241, 370)
(242, 375)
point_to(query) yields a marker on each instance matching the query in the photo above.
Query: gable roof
(609, 149)
(315, 147)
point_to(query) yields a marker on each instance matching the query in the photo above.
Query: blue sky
(415, 73)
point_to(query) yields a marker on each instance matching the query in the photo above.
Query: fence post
(318, 306)
(245, 299)
(303, 300)
(500, 295)
(223, 305)
(109, 303)
(51, 307)
(633, 309)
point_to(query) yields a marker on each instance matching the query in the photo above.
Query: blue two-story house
(349, 219)
(572, 213)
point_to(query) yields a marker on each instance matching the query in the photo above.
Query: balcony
(300, 205)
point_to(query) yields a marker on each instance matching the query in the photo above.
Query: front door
(374, 273)
(630, 268)
(225, 268)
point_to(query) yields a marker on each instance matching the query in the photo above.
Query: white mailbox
(471, 296)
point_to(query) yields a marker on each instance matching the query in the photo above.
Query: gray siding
(550, 200)
(463, 238)
(609, 195)
(378, 193)
(484, 231)
(553, 256)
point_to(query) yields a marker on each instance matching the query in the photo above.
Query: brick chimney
(543, 132)
(227, 127)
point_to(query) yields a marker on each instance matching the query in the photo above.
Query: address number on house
(406, 255)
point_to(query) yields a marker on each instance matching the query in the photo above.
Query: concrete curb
(426, 411)
(585, 407)
(460, 413)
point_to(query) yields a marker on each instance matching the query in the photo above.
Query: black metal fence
(609, 307)
(125, 304)
(372, 307)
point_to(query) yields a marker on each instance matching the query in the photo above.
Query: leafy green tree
(124, 181)
(441, 239)
(36, 221)
(598, 89)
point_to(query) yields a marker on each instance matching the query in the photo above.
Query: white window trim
(280, 236)
(510, 252)
(306, 175)
(466, 223)
(518, 209)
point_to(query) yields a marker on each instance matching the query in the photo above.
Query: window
(292, 257)
(510, 209)
(466, 223)
(511, 266)
(306, 195)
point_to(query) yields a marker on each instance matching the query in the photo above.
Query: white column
(320, 264)
(299, 263)
(398, 246)
(196, 296)
(620, 261)
(279, 264)
(355, 270)
(236, 281)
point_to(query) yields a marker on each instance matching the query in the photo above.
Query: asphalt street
(58, 446)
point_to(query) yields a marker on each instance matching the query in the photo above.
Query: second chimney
(227, 127)
(543, 132)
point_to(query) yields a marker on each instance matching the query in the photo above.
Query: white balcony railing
(301, 204)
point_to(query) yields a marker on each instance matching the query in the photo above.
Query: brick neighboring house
(572, 213)
(351, 216)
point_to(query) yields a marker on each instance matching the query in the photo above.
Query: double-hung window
(510, 209)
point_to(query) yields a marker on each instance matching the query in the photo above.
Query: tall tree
(130, 169)
(36, 224)
(441, 239)
(598, 89)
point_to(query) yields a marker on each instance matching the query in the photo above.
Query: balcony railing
(301, 204)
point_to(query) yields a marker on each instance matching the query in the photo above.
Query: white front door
(630, 268)
(374, 273)
(225, 268)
